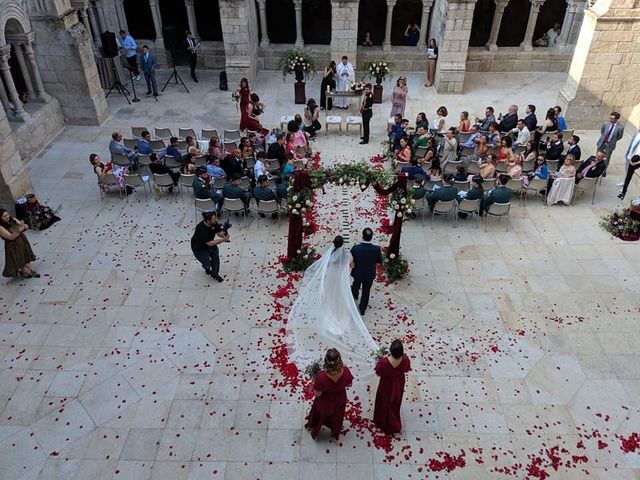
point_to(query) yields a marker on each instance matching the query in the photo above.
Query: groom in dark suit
(365, 256)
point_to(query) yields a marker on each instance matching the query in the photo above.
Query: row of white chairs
(468, 207)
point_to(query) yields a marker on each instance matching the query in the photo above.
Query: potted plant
(377, 71)
(299, 63)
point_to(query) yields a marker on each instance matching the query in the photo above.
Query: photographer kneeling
(204, 243)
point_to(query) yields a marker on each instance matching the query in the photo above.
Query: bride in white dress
(325, 314)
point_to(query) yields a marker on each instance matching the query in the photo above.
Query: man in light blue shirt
(130, 48)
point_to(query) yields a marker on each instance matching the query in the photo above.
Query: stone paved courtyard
(125, 361)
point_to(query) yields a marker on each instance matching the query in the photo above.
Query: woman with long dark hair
(243, 92)
(18, 254)
(328, 83)
(392, 371)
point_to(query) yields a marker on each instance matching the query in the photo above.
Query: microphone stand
(135, 98)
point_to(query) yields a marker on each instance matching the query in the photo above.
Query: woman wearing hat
(399, 97)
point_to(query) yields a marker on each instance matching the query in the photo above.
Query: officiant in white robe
(345, 74)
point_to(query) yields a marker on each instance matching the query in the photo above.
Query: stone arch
(316, 21)
(405, 12)
(281, 21)
(13, 15)
(481, 23)
(372, 16)
(514, 23)
(208, 20)
(139, 19)
(552, 11)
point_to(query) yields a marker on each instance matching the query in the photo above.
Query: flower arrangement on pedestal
(622, 224)
(298, 62)
(302, 260)
(378, 71)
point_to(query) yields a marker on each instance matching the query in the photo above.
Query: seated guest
(160, 169)
(475, 192)
(488, 168)
(311, 118)
(494, 135)
(562, 123)
(506, 153)
(432, 151)
(282, 186)
(299, 122)
(554, 147)
(213, 167)
(246, 150)
(289, 167)
(540, 171)
(560, 183)
(172, 150)
(299, 137)
(514, 167)
(404, 153)
(421, 121)
(116, 146)
(289, 145)
(144, 145)
(414, 171)
(474, 138)
(530, 152)
(445, 193)
(435, 170)
(233, 190)
(418, 190)
(214, 147)
(203, 189)
(549, 125)
(461, 174)
(101, 169)
(260, 168)
(465, 124)
(276, 150)
(523, 134)
(262, 192)
(500, 194)
(421, 138)
(400, 133)
(395, 126)
(189, 165)
(233, 164)
(530, 119)
(488, 119)
(192, 146)
(482, 149)
(592, 167)
(574, 148)
(440, 124)
(509, 121)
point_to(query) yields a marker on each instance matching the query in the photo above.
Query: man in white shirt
(523, 134)
(552, 34)
(345, 74)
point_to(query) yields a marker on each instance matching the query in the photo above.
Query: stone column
(344, 30)
(240, 33)
(5, 53)
(426, 9)
(95, 29)
(122, 17)
(386, 44)
(104, 25)
(567, 24)
(6, 104)
(262, 13)
(495, 25)
(14, 178)
(451, 23)
(299, 38)
(191, 15)
(157, 21)
(26, 75)
(527, 43)
(604, 69)
(37, 79)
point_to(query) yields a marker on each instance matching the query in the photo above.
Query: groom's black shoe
(362, 310)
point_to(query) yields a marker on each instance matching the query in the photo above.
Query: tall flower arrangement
(298, 62)
(378, 70)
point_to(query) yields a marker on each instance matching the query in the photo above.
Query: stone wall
(604, 70)
(240, 33)
(404, 59)
(514, 59)
(44, 123)
(344, 29)
(67, 65)
(270, 56)
(14, 179)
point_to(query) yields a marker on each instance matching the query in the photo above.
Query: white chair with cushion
(354, 121)
(333, 120)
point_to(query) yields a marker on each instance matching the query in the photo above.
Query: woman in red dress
(330, 389)
(244, 92)
(391, 370)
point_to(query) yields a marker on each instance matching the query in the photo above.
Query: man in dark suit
(366, 110)
(414, 170)
(554, 147)
(530, 119)
(593, 167)
(445, 193)
(363, 268)
(500, 194)
(276, 150)
(610, 133)
(262, 192)
(233, 190)
(203, 189)
(574, 149)
(509, 121)
(233, 165)
(192, 45)
(148, 67)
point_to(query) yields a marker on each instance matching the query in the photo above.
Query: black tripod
(175, 75)
(135, 98)
(117, 85)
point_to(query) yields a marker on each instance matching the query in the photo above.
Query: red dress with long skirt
(328, 408)
(244, 115)
(386, 414)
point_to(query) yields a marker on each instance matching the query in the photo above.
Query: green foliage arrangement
(395, 267)
(302, 259)
(621, 225)
(293, 60)
(377, 70)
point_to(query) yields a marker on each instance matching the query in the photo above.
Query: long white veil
(325, 316)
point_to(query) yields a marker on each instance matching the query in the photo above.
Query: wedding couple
(325, 314)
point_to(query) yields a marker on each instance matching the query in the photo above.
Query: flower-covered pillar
(396, 230)
(301, 182)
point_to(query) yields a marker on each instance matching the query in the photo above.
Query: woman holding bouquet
(243, 93)
(399, 97)
(391, 370)
(330, 389)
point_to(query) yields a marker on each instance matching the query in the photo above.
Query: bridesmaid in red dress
(330, 388)
(391, 370)
(244, 93)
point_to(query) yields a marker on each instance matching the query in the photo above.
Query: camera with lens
(226, 226)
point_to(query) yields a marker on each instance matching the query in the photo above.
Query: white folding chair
(163, 133)
(204, 205)
(130, 143)
(185, 181)
(109, 180)
(420, 206)
(162, 181)
(470, 207)
(120, 160)
(235, 205)
(135, 181)
(137, 131)
(231, 136)
(208, 133)
(268, 207)
(158, 145)
(584, 185)
(187, 132)
(443, 207)
(498, 210)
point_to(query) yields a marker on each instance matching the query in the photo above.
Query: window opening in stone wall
(316, 22)
(372, 16)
